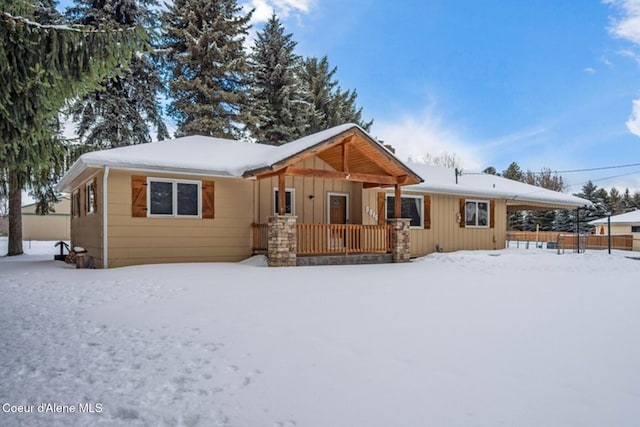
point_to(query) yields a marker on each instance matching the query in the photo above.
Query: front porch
(311, 202)
(287, 243)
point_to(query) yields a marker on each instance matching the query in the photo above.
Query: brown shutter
(81, 204)
(382, 208)
(492, 214)
(95, 194)
(427, 212)
(208, 199)
(138, 196)
(462, 213)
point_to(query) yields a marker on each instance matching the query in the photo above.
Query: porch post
(282, 208)
(397, 206)
(400, 239)
(282, 242)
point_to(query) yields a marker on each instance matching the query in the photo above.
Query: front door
(337, 215)
(337, 209)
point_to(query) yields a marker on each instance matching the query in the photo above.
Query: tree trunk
(15, 214)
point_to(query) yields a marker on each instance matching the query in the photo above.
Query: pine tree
(564, 221)
(42, 65)
(331, 106)
(513, 172)
(598, 197)
(125, 109)
(208, 66)
(279, 107)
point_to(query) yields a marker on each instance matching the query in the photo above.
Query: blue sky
(550, 83)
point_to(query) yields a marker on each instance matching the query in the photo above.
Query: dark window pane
(483, 214)
(287, 200)
(410, 208)
(161, 198)
(187, 199)
(635, 228)
(470, 213)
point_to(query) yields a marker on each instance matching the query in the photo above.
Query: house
(335, 193)
(53, 226)
(623, 224)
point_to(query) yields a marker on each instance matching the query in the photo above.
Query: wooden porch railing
(260, 237)
(343, 238)
(317, 239)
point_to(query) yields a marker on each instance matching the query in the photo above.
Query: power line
(598, 169)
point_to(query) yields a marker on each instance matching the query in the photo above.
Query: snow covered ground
(500, 338)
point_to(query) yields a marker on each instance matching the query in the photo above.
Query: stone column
(400, 239)
(282, 243)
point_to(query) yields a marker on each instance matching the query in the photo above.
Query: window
(635, 228)
(75, 203)
(174, 198)
(476, 213)
(90, 205)
(412, 207)
(289, 197)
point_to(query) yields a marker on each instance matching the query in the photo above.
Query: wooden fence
(319, 239)
(568, 240)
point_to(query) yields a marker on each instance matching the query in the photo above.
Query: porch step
(351, 259)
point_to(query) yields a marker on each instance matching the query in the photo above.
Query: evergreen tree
(598, 197)
(331, 106)
(564, 221)
(208, 66)
(490, 170)
(279, 108)
(513, 172)
(616, 203)
(515, 221)
(125, 109)
(42, 65)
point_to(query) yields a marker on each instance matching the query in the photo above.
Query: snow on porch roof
(198, 155)
(632, 217)
(443, 180)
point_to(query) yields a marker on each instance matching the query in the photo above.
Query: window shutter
(382, 208)
(208, 199)
(95, 194)
(81, 192)
(427, 212)
(462, 213)
(139, 196)
(492, 214)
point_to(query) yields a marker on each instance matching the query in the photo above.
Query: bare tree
(445, 159)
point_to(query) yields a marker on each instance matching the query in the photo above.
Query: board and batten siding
(140, 240)
(86, 229)
(444, 229)
(309, 210)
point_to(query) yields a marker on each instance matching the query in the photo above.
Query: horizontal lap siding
(227, 237)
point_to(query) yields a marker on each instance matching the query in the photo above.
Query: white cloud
(424, 134)
(633, 124)
(589, 70)
(627, 24)
(283, 8)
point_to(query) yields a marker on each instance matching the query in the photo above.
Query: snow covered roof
(443, 180)
(201, 155)
(632, 217)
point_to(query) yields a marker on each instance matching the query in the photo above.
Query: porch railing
(342, 238)
(260, 237)
(316, 239)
